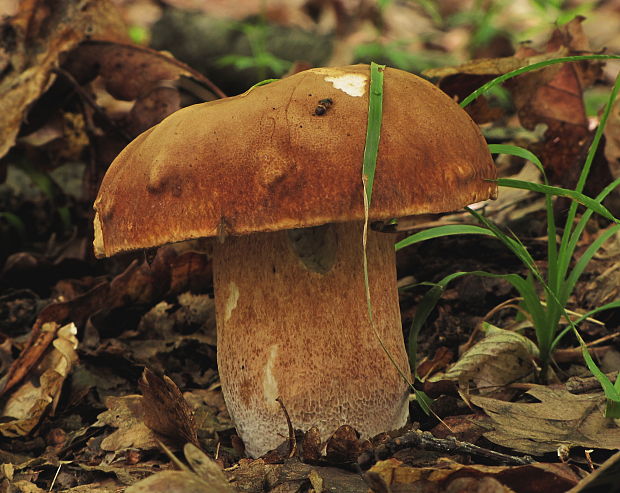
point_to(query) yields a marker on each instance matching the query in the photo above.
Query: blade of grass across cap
(371, 150)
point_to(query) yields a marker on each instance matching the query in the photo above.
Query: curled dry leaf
(501, 358)
(165, 410)
(451, 476)
(34, 39)
(311, 445)
(559, 418)
(129, 71)
(39, 394)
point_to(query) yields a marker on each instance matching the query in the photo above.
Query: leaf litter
(77, 337)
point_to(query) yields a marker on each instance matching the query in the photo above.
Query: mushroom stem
(293, 323)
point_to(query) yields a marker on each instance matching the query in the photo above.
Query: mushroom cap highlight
(267, 160)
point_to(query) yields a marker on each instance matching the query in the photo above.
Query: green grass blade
(513, 150)
(432, 296)
(570, 245)
(439, 231)
(583, 261)
(530, 68)
(373, 129)
(610, 390)
(607, 306)
(371, 148)
(15, 222)
(578, 197)
(513, 244)
(554, 275)
(572, 211)
(423, 310)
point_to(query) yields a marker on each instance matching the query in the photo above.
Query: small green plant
(397, 54)
(556, 285)
(262, 60)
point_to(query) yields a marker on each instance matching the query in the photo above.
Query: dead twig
(292, 441)
(426, 441)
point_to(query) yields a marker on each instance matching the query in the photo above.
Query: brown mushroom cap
(264, 161)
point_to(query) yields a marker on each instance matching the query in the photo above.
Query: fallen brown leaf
(500, 358)
(127, 415)
(560, 418)
(165, 409)
(449, 476)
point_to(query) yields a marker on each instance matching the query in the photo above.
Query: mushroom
(275, 174)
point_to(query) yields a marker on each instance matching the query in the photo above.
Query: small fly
(323, 106)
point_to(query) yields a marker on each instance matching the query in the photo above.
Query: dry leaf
(451, 476)
(43, 30)
(39, 394)
(344, 446)
(126, 414)
(560, 418)
(172, 482)
(501, 358)
(77, 310)
(207, 469)
(165, 409)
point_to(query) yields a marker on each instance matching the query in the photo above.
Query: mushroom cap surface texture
(266, 160)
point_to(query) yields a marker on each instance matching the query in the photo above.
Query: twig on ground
(292, 441)
(426, 441)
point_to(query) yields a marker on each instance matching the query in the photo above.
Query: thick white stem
(293, 323)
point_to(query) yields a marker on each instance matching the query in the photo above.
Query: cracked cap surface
(267, 160)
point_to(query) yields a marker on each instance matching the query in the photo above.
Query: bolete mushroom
(275, 173)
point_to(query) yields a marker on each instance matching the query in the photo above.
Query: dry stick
(292, 441)
(426, 441)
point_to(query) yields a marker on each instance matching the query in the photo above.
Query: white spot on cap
(352, 84)
(270, 385)
(231, 301)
